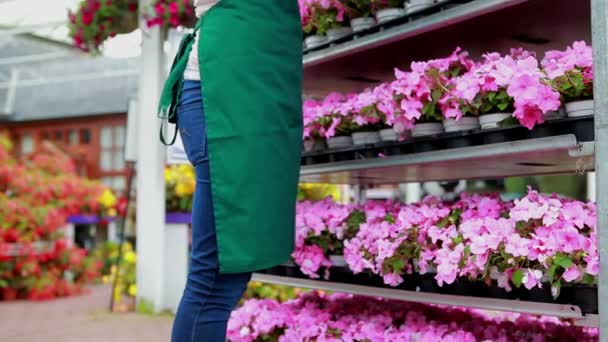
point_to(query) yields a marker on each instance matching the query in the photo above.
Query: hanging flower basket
(170, 13)
(95, 21)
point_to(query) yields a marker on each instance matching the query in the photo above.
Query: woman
(235, 93)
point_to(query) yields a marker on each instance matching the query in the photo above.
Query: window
(73, 137)
(58, 136)
(27, 144)
(85, 136)
(112, 143)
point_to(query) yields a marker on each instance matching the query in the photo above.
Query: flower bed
(457, 93)
(339, 317)
(531, 242)
(37, 195)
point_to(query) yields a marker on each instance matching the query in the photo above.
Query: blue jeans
(209, 297)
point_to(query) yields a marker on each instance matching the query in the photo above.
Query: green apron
(250, 58)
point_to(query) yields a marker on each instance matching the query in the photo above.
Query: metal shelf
(559, 147)
(559, 310)
(354, 63)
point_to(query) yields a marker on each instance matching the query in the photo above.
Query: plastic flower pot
(314, 145)
(464, 124)
(337, 260)
(489, 121)
(340, 142)
(579, 108)
(360, 24)
(337, 33)
(365, 138)
(388, 134)
(313, 41)
(413, 6)
(389, 14)
(427, 128)
(555, 115)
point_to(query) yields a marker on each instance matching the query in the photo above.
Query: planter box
(19, 249)
(313, 145)
(464, 124)
(360, 24)
(337, 260)
(178, 218)
(555, 115)
(413, 6)
(389, 14)
(489, 121)
(340, 142)
(388, 134)
(338, 33)
(313, 41)
(427, 128)
(366, 138)
(579, 108)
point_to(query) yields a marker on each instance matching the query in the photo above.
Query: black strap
(162, 136)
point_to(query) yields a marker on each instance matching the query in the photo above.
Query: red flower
(174, 21)
(160, 9)
(109, 3)
(87, 18)
(173, 8)
(132, 7)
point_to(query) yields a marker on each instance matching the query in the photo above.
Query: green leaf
(491, 96)
(558, 286)
(502, 105)
(398, 265)
(552, 270)
(563, 260)
(589, 279)
(436, 95)
(517, 278)
(3, 283)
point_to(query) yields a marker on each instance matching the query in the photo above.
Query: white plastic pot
(555, 115)
(412, 6)
(314, 41)
(489, 121)
(579, 108)
(360, 24)
(337, 260)
(388, 14)
(340, 142)
(313, 145)
(365, 138)
(388, 134)
(464, 124)
(427, 128)
(337, 33)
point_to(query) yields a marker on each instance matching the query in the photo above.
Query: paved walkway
(79, 319)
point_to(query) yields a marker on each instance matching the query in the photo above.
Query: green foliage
(321, 21)
(358, 8)
(145, 306)
(573, 86)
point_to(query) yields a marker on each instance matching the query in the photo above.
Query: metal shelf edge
(434, 21)
(558, 310)
(565, 142)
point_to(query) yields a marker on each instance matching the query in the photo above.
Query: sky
(49, 17)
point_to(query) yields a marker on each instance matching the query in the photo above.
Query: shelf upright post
(599, 26)
(150, 171)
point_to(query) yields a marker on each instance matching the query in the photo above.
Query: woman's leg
(209, 297)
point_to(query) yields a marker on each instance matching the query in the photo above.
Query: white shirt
(192, 72)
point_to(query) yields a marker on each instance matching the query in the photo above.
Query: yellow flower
(111, 212)
(127, 247)
(132, 290)
(113, 269)
(117, 293)
(105, 279)
(170, 175)
(130, 257)
(107, 198)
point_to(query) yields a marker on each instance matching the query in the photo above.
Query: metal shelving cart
(565, 146)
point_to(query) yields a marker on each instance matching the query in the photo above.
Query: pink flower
(532, 278)
(173, 8)
(571, 274)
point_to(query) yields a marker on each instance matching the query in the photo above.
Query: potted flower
(387, 10)
(477, 94)
(322, 21)
(571, 74)
(95, 21)
(368, 118)
(180, 182)
(314, 126)
(336, 121)
(413, 6)
(170, 13)
(360, 12)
